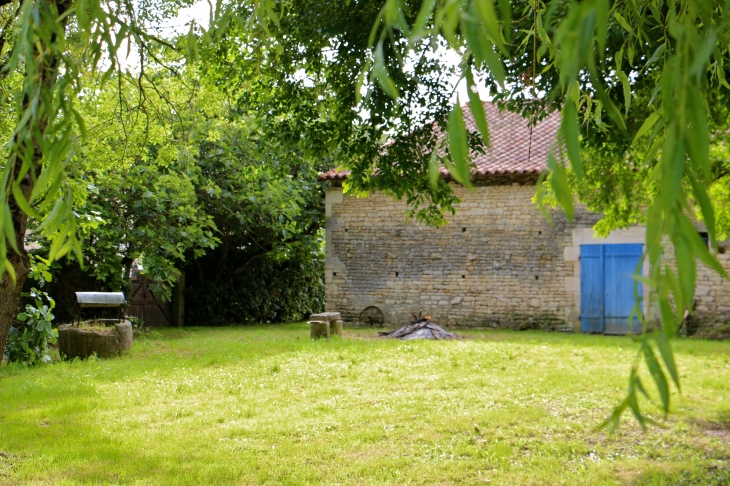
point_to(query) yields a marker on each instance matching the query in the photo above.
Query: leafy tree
(181, 180)
(263, 197)
(261, 200)
(133, 181)
(46, 47)
(304, 78)
(148, 213)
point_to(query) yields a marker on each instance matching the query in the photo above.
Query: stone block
(702, 290)
(572, 284)
(334, 223)
(571, 253)
(325, 316)
(334, 195)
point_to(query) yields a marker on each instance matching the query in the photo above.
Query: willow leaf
(665, 350)
(561, 186)
(569, 127)
(485, 9)
(477, 107)
(646, 126)
(459, 146)
(657, 374)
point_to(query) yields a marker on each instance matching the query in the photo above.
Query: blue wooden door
(607, 294)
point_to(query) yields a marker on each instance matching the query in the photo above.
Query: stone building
(498, 263)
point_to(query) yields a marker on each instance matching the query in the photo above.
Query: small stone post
(319, 329)
(336, 328)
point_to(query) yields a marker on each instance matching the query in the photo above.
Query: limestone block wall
(498, 262)
(712, 294)
(712, 291)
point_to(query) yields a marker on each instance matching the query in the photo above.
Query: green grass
(266, 405)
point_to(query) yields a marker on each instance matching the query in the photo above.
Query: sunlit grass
(266, 405)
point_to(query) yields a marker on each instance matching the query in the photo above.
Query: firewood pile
(419, 328)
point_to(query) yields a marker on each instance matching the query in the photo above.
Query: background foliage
(284, 287)
(187, 176)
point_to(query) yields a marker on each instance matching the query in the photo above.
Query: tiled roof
(513, 150)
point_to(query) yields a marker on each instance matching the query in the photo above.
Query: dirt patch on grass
(6, 464)
(719, 428)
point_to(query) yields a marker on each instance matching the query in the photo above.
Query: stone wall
(712, 295)
(497, 263)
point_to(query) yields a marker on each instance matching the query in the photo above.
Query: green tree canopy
(185, 174)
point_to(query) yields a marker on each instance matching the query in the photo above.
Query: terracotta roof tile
(513, 149)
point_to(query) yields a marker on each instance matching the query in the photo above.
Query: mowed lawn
(266, 405)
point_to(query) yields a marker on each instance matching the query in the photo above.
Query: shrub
(272, 290)
(30, 334)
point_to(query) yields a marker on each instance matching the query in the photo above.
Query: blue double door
(608, 292)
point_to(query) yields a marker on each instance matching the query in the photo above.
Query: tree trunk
(47, 75)
(9, 291)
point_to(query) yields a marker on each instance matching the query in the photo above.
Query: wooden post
(319, 329)
(178, 301)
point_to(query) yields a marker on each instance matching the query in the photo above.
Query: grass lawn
(266, 405)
